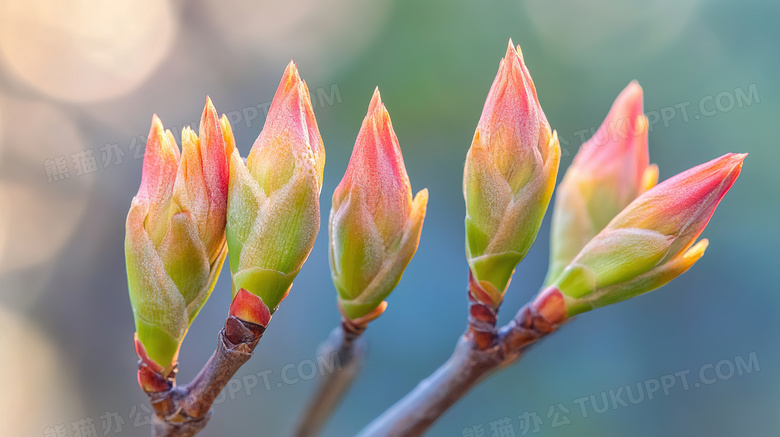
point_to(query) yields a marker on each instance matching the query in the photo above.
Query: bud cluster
(615, 234)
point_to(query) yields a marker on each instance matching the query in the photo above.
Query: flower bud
(374, 224)
(175, 234)
(651, 241)
(610, 170)
(508, 179)
(273, 201)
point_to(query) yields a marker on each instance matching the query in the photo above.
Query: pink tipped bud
(273, 202)
(202, 181)
(610, 170)
(375, 223)
(508, 178)
(175, 233)
(652, 240)
(290, 139)
(161, 163)
(683, 205)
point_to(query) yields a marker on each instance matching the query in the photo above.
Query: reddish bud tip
(682, 205)
(376, 170)
(617, 154)
(214, 155)
(161, 161)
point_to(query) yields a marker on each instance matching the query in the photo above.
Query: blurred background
(79, 82)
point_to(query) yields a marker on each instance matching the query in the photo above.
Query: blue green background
(434, 62)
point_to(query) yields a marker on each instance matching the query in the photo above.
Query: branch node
(482, 320)
(184, 411)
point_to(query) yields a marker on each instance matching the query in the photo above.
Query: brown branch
(183, 411)
(348, 345)
(471, 362)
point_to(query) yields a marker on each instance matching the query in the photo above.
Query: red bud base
(152, 377)
(250, 308)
